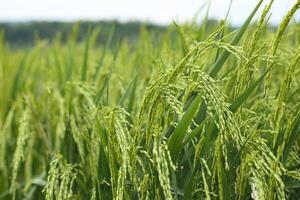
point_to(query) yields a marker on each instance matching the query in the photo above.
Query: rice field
(193, 113)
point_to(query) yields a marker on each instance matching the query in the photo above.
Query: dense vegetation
(20, 35)
(193, 115)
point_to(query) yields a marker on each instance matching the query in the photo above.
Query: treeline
(24, 34)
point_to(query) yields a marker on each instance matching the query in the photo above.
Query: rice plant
(193, 113)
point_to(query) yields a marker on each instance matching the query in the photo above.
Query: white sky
(157, 11)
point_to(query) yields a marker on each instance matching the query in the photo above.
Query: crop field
(191, 113)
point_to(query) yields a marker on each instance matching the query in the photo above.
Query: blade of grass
(107, 77)
(107, 45)
(292, 138)
(220, 62)
(85, 58)
(184, 44)
(175, 140)
(245, 95)
(201, 32)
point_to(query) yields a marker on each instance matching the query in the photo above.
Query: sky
(155, 11)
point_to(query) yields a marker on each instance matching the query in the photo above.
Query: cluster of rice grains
(193, 113)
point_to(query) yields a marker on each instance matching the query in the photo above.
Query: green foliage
(185, 115)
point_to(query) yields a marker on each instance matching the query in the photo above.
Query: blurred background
(22, 21)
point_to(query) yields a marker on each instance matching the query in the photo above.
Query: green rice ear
(278, 37)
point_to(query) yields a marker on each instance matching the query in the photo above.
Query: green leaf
(107, 77)
(195, 132)
(292, 138)
(108, 43)
(85, 58)
(184, 44)
(220, 62)
(201, 31)
(175, 140)
(293, 184)
(132, 96)
(245, 95)
(225, 184)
